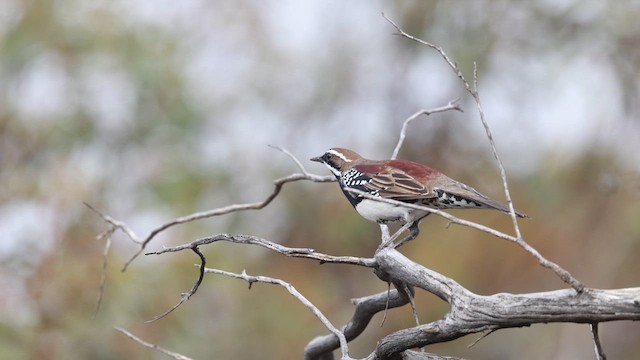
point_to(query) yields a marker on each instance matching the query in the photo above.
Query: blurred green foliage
(150, 111)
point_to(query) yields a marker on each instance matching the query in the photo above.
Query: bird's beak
(317, 159)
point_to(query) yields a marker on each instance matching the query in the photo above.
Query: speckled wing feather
(394, 183)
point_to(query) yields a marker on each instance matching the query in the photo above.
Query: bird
(405, 181)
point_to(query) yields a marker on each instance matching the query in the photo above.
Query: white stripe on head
(339, 154)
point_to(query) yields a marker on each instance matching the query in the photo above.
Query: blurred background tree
(155, 109)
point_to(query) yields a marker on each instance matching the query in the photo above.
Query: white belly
(380, 212)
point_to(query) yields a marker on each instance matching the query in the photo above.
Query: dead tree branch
(251, 240)
(284, 250)
(562, 273)
(452, 105)
(277, 186)
(152, 346)
(471, 313)
(342, 340)
(365, 309)
(600, 355)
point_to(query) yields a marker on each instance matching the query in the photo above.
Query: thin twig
(185, 296)
(600, 355)
(410, 293)
(561, 272)
(253, 240)
(117, 225)
(292, 157)
(439, 49)
(503, 174)
(293, 291)
(452, 105)
(103, 276)
(444, 214)
(229, 209)
(284, 250)
(484, 335)
(152, 346)
(366, 308)
(386, 305)
(277, 186)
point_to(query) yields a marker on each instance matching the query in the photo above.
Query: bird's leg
(395, 235)
(414, 231)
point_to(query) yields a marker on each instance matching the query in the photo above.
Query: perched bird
(401, 180)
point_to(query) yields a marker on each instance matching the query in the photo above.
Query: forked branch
(472, 313)
(251, 240)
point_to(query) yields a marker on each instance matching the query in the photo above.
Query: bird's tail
(474, 198)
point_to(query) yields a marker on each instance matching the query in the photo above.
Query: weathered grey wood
(366, 307)
(472, 313)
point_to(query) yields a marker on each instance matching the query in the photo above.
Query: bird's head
(338, 159)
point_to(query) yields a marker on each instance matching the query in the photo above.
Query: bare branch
(420, 355)
(471, 313)
(444, 214)
(194, 288)
(284, 250)
(398, 269)
(278, 184)
(386, 306)
(152, 346)
(452, 105)
(103, 276)
(486, 333)
(503, 173)
(229, 209)
(366, 308)
(294, 159)
(116, 225)
(252, 240)
(563, 274)
(600, 355)
(292, 290)
(409, 292)
(439, 49)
